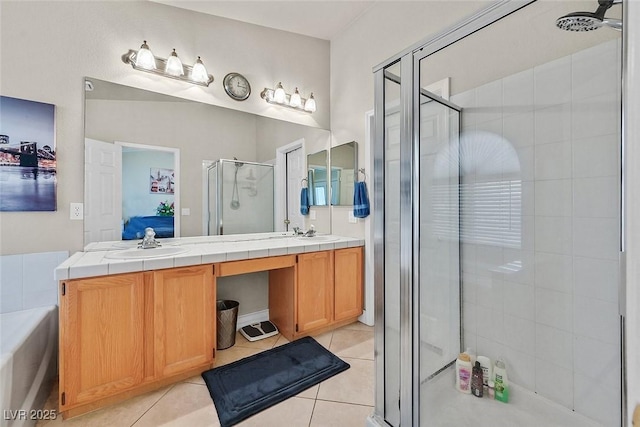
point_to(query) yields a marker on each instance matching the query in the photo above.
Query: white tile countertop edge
(201, 250)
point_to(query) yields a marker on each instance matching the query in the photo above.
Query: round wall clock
(237, 86)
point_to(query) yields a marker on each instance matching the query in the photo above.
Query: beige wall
(48, 48)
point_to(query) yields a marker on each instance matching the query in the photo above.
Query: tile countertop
(200, 250)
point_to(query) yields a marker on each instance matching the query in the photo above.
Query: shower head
(238, 164)
(589, 21)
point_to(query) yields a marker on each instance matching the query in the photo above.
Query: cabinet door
(101, 337)
(348, 283)
(314, 290)
(185, 321)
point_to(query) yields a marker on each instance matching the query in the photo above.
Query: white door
(102, 191)
(295, 173)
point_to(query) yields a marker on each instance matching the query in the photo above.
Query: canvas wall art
(162, 181)
(27, 155)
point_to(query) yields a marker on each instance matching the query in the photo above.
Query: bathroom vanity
(133, 320)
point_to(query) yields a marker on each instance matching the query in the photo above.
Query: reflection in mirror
(193, 130)
(317, 178)
(344, 166)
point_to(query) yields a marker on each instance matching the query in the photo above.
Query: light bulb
(310, 105)
(295, 101)
(174, 65)
(279, 96)
(199, 72)
(144, 57)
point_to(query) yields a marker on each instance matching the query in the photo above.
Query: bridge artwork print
(27, 155)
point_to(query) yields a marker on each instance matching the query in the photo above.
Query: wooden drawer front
(232, 268)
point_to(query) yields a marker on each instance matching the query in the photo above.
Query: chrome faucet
(310, 232)
(297, 231)
(149, 241)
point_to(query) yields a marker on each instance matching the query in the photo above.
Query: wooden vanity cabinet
(125, 334)
(323, 292)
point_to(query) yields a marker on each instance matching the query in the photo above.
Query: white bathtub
(28, 363)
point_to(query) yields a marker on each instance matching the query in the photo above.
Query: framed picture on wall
(27, 155)
(161, 181)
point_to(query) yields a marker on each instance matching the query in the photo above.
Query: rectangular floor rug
(247, 386)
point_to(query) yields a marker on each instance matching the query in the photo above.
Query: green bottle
(501, 382)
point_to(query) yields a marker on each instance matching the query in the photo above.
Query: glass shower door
(438, 269)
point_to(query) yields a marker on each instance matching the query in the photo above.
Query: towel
(360, 200)
(304, 201)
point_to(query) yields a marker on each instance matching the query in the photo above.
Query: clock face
(237, 86)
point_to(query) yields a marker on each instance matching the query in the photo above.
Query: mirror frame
(334, 154)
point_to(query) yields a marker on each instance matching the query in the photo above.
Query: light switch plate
(186, 211)
(76, 211)
(312, 214)
(352, 218)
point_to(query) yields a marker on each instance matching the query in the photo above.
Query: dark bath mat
(250, 385)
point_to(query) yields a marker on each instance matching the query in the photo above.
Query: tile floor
(346, 399)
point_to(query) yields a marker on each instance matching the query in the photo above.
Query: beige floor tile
(310, 393)
(263, 344)
(234, 353)
(122, 414)
(292, 412)
(355, 385)
(332, 414)
(195, 380)
(352, 343)
(358, 326)
(281, 341)
(324, 339)
(184, 405)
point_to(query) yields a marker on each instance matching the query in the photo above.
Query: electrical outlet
(185, 211)
(352, 218)
(312, 214)
(76, 211)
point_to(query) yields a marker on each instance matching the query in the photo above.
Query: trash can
(227, 321)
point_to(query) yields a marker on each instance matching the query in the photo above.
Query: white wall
(49, 47)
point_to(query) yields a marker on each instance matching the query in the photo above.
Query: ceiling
(320, 19)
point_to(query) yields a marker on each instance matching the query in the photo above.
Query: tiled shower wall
(548, 303)
(26, 280)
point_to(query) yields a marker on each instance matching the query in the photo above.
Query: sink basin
(136, 253)
(318, 239)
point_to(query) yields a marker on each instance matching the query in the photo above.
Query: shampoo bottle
(463, 373)
(477, 389)
(487, 370)
(501, 381)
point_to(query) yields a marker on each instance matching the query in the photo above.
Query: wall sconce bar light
(144, 60)
(278, 96)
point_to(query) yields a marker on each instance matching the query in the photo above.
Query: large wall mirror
(317, 165)
(344, 166)
(159, 145)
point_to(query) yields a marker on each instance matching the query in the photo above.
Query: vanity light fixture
(279, 97)
(172, 67)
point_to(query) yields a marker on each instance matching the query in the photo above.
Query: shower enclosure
(497, 224)
(240, 197)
